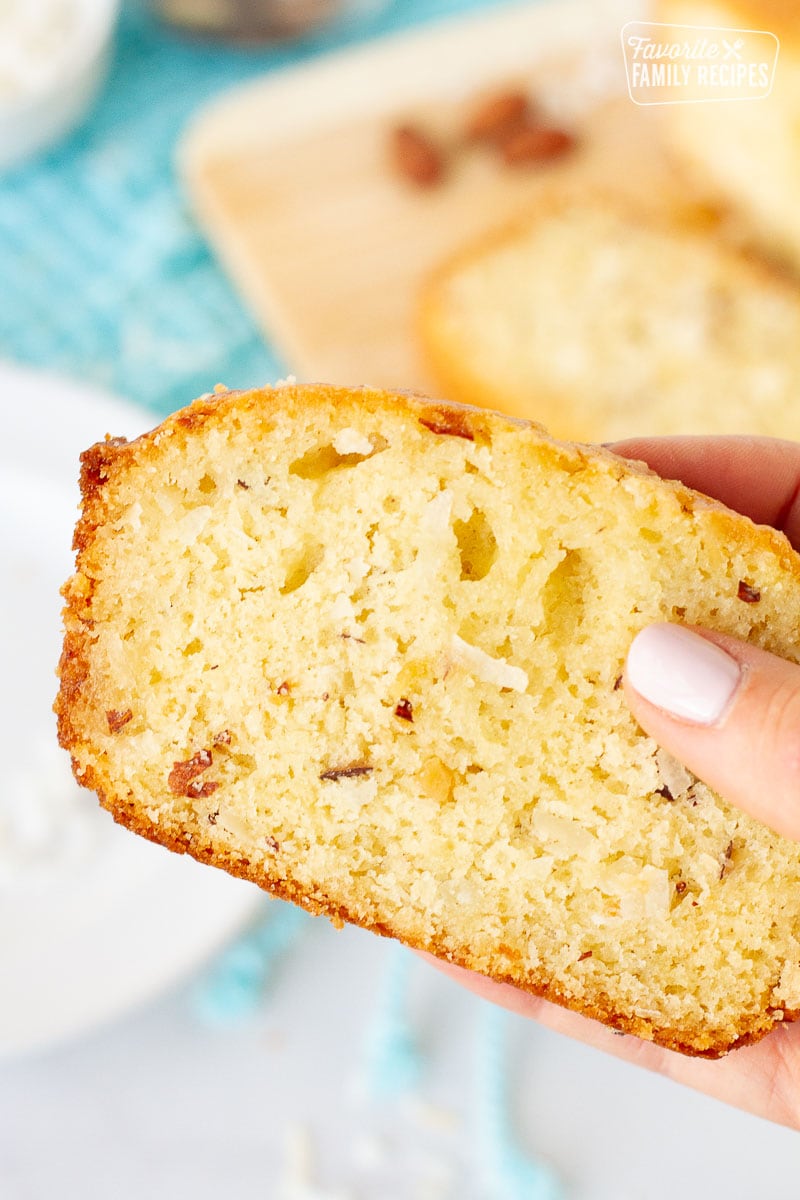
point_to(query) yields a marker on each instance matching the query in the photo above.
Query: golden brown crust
(319, 905)
(102, 462)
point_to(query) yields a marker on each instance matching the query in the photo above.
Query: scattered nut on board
(416, 157)
(497, 115)
(536, 144)
(506, 122)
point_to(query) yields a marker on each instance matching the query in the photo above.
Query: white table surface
(161, 1104)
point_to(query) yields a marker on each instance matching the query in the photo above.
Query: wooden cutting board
(290, 178)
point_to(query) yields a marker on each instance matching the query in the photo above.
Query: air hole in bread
(565, 593)
(477, 545)
(349, 449)
(303, 565)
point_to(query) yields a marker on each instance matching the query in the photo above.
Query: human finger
(728, 710)
(757, 476)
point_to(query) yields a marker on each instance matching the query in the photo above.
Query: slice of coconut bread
(366, 650)
(603, 320)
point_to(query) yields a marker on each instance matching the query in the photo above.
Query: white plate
(93, 920)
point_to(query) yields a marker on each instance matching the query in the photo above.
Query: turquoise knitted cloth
(103, 273)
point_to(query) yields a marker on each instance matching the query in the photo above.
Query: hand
(731, 713)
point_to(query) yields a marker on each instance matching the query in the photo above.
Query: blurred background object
(748, 157)
(246, 20)
(92, 921)
(53, 58)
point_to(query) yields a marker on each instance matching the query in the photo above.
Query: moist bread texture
(366, 650)
(745, 155)
(602, 319)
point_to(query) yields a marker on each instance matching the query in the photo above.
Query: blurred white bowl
(53, 58)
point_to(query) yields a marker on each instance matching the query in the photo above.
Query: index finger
(757, 476)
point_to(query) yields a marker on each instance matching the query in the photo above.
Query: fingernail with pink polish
(683, 673)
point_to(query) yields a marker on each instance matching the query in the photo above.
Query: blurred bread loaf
(366, 650)
(746, 153)
(604, 320)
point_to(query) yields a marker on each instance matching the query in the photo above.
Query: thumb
(728, 710)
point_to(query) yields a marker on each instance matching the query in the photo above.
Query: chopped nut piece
(617, 683)
(283, 689)
(349, 772)
(448, 425)
(416, 157)
(680, 887)
(118, 718)
(497, 115)
(404, 709)
(223, 738)
(436, 780)
(183, 773)
(586, 954)
(198, 788)
(749, 594)
(272, 843)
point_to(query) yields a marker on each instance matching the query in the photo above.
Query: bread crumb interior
(384, 662)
